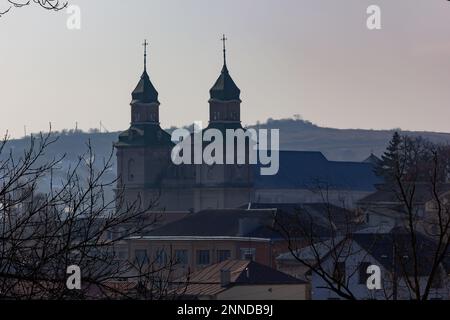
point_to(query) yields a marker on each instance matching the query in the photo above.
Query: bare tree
(55, 5)
(73, 223)
(416, 249)
(311, 241)
(418, 172)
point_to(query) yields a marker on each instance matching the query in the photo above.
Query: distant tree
(390, 159)
(54, 5)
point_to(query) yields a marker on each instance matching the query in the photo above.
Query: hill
(295, 134)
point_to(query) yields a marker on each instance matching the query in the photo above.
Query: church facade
(146, 173)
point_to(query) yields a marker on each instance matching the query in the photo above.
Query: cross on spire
(224, 40)
(145, 44)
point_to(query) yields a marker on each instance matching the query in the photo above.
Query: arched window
(131, 164)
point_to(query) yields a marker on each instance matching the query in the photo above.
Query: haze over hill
(295, 134)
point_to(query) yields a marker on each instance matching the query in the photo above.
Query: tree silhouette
(74, 223)
(54, 5)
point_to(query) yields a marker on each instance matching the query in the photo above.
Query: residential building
(242, 280)
(390, 250)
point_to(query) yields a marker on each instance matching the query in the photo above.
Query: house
(241, 280)
(212, 236)
(384, 207)
(347, 258)
(209, 237)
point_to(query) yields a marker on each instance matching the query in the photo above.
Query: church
(145, 170)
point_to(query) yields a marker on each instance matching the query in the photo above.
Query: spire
(225, 89)
(224, 40)
(145, 44)
(145, 92)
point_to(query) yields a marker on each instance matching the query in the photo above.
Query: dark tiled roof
(310, 170)
(225, 89)
(383, 245)
(144, 135)
(216, 223)
(318, 214)
(242, 272)
(261, 221)
(145, 92)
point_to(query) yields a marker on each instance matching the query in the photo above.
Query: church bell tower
(224, 185)
(143, 151)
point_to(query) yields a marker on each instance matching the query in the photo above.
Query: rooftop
(208, 281)
(311, 170)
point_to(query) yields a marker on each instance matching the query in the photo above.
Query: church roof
(225, 89)
(310, 170)
(145, 92)
(144, 135)
(373, 159)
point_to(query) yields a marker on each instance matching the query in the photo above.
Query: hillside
(336, 144)
(339, 144)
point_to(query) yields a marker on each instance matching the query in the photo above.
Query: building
(384, 207)
(209, 237)
(348, 259)
(147, 174)
(242, 280)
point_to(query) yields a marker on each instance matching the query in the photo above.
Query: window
(223, 255)
(161, 257)
(203, 257)
(181, 257)
(363, 272)
(141, 256)
(131, 170)
(216, 115)
(339, 272)
(248, 254)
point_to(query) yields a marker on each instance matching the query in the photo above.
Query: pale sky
(315, 58)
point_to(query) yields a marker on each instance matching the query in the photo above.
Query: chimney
(225, 278)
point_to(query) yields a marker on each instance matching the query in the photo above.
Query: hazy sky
(315, 58)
